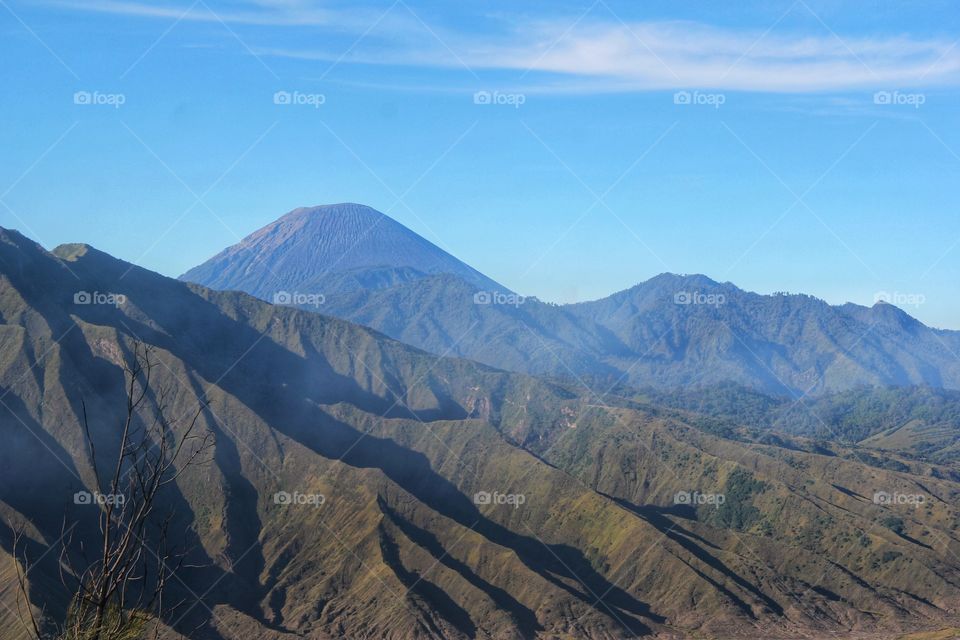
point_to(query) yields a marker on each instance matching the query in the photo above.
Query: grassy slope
(399, 549)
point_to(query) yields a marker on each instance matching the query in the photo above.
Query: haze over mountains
(668, 331)
(401, 444)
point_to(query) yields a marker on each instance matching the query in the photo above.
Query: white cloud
(267, 13)
(672, 55)
(594, 55)
(652, 56)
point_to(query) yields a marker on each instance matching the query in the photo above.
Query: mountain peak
(688, 279)
(17, 239)
(669, 284)
(892, 315)
(340, 208)
(343, 212)
(308, 249)
(73, 251)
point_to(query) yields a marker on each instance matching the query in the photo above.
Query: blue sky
(808, 146)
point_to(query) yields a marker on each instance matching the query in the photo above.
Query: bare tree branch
(118, 592)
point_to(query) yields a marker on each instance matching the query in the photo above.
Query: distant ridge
(330, 249)
(671, 330)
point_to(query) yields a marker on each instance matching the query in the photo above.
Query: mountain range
(354, 263)
(460, 501)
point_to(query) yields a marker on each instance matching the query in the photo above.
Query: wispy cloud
(594, 55)
(265, 13)
(673, 54)
(650, 56)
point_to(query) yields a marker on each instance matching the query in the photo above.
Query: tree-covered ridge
(919, 421)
